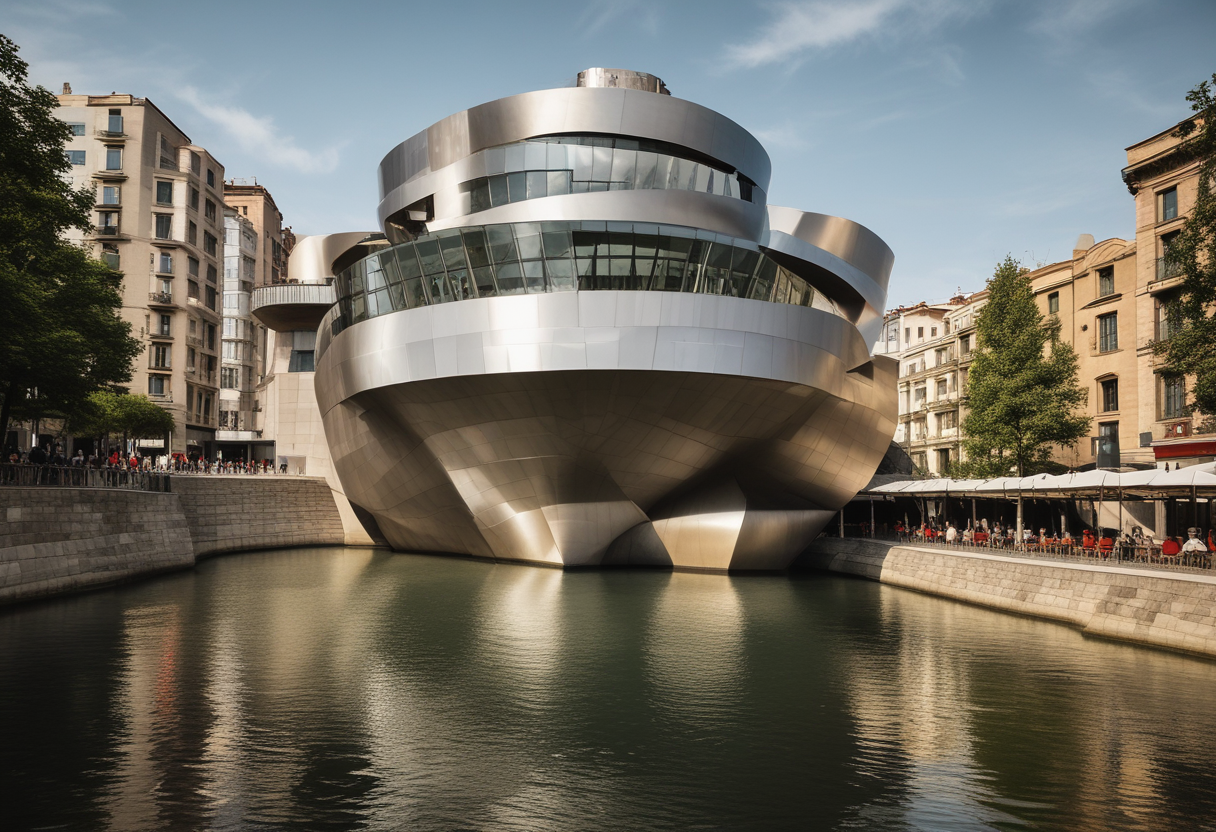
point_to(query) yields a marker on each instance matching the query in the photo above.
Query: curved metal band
(572, 110)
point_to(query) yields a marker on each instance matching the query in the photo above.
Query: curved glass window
(531, 258)
(560, 165)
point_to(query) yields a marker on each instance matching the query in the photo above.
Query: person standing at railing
(37, 456)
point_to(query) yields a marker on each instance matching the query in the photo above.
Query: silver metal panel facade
(599, 426)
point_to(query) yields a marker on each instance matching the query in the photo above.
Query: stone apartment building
(159, 220)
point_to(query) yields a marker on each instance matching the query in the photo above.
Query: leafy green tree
(60, 334)
(108, 413)
(1191, 350)
(1022, 390)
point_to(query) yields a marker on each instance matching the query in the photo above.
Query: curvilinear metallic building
(590, 341)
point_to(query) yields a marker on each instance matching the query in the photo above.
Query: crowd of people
(1134, 544)
(176, 463)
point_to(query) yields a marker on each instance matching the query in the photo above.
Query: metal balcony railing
(1167, 269)
(161, 298)
(74, 476)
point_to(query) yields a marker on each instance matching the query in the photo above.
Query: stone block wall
(59, 540)
(56, 540)
(1174, 610)
(230, 514)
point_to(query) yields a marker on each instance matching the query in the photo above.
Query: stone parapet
(59, 540)
(1176, 611)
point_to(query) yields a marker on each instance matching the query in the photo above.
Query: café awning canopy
(1196, 480)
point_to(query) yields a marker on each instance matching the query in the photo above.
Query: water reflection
(350, 689)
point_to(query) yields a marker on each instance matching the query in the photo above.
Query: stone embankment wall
(59, 540)
(1173, 610)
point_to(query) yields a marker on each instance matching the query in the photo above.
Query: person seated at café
(951, 533)
(1193, 544)
(1087, 539)
(1170, 548)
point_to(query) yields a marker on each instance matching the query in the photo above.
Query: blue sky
(958, 130)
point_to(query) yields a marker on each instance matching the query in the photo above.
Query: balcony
(160, 299)
(292, 306)
(107, 231)
(161, 398)
(110, 175)
(160, 335)
(1166, 269)
(194, 341)
(111, 135)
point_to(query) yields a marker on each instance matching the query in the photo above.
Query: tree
(1022, 390)
(108, 413)
(60, 334)
(1191, 349)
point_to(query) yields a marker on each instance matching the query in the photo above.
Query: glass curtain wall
(531, 258)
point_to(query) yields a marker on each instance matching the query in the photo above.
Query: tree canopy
(1022, 390)
(107, 413)
(1191, 349)
(60, 335)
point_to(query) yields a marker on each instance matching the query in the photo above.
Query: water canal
(351, 689)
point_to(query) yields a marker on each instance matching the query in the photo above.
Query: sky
(957, 130)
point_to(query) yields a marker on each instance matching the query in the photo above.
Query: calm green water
(346, 689)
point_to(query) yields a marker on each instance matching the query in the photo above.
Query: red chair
(1170, 548)
(1105, 546)
(981, 538)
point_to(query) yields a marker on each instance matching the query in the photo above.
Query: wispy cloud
(784, 136)
(798, 28)
(1065, 20)
(259, 137)
(598, 15)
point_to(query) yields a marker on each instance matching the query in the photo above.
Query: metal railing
(1167, 269)
(79, 476)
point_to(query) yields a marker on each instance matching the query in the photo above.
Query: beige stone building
(158, 219)
(1165, 184)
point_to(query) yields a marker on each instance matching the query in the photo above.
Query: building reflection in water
(353, 689)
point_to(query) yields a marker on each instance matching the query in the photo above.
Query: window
(932, 332)
(192, 290)
(1110, 395)
(190, 355)
(1168, 316)
(942, 355)
(920, 332)
(164, 226)
(1108, 332)
(76, 157)
(1167, 205)
(211, 337)
(210, 177)
(194, 198)
(77, 128)
(943, 460)
(192, 266)
(948, 419)
(941, 388)
(1107, 447)
(107, 222)
(211, 297)
(908, 335)
(195, 164)
(157, 385)
(230, 378)
(109, 255)
(161, 354)
(166, 325)
(110, 195)
(209, 210)
(164, 193)
(164, 263)
(918, 396)
(114, 123)
(1053, 303)
(212, 273)
(1173, 397)
(945, 327)
(1106, 281)
(191, 233)
(113, 158)
(301, 362)
(209, 242)
(964, 345)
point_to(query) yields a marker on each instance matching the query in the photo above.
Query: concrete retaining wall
(1174, 610)
(59, 540)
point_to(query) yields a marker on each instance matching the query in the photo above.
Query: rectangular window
(113, 158)
(1107, 447)
(1108, 332)
(156, 385)
(109, 255)
(211, 297)
(947, 419)
(212, 273)
(191, 233)
(908, 335)
(932, 332)
(166, 324)
(941, 388)
(230, 378)
(192, 290)
(164, 226)
(195, 164)
(1167, 205)
(301, 362)
(164, 263)
(1110, 395)
(209, 210)
(1173, 397)
(209, 243)
(1053, 303)
(1168, 317)
(964, 345)
(190, 356)
(192, 266)
(107, 223)
(161, 355)
(194, 198)
(1106, 281)
(942, 356)
(76, 157)
(114, 123)
(920, 332)
(210, 177)
(111, 195)
(211, 337)
(77, 128)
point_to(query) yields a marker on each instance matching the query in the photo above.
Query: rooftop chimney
(67, 88)
(1084, 243)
